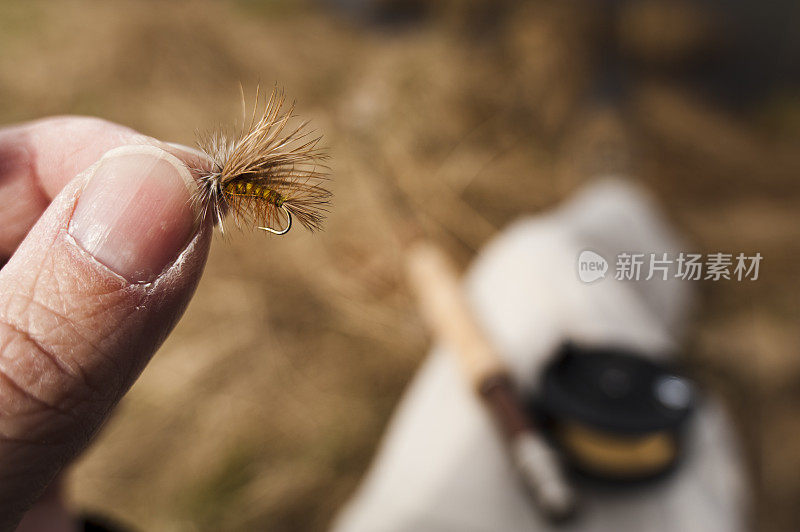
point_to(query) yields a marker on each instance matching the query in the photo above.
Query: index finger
(38, 158)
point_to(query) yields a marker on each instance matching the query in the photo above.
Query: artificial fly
(264, 174)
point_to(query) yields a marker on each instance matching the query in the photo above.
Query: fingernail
(135, 214)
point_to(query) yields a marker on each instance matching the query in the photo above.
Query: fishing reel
(613, 414)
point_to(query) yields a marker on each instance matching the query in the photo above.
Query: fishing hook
(285, 229)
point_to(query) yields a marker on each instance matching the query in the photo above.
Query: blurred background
(263, 409)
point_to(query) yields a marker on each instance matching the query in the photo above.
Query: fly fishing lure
(265, 174)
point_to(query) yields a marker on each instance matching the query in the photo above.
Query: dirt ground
(263, 408)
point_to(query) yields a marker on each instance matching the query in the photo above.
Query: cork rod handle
(435, 281)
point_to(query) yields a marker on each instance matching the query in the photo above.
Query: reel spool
(613, 414)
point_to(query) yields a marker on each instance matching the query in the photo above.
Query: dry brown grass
(262, 409)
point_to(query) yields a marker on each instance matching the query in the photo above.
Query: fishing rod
(434, 279)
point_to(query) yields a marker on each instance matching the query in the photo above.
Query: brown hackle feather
(262, 168)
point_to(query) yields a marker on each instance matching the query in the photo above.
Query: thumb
(89, 295)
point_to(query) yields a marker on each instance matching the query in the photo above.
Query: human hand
(104, 252)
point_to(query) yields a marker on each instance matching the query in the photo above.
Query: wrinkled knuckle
(29, 414)
(43, 365)
(26, 417)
